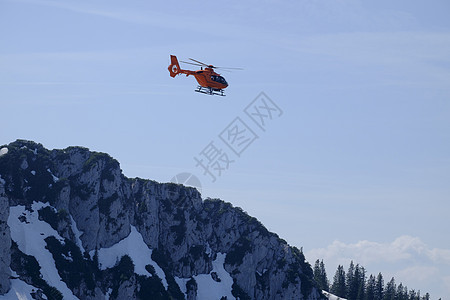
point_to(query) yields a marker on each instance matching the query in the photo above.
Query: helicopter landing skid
(210, 91)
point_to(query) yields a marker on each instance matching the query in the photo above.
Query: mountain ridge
(93, 206)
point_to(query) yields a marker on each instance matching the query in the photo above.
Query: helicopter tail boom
(174, 68)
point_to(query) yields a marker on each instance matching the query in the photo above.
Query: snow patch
(207, 288)
(261, 274)
(24, 164)
(182, 283)
(208, 250)
(33, 172)
(55, 179)
(69, 258)
(19, 290)
(29, 234)
(77, 234)
(210, 289)
(3, 151)
(331, 296)
(108, 294)
(133, 246)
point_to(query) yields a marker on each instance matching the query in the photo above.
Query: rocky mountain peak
(104, 235)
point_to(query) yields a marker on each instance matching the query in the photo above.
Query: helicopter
(210, 82)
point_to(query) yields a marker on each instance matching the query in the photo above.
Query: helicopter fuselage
(206, 77)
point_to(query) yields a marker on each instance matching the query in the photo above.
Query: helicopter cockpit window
(219, 79)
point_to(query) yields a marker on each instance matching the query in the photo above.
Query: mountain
(73, 226)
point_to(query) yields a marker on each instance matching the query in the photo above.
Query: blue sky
(356, 167)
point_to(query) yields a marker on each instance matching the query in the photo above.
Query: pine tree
(350, 282)
(412, 295)
(338, 286)
(316, 272)
(402, 292)
(389, 292)
(370, 288)
(320, 276)
(379, 285)
(361, 282)
(324, 278)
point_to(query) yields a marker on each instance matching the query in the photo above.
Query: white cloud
(418, 273)
(366, 252)
(440, 256)
(406, 258)
(403, 248)
(446, 281)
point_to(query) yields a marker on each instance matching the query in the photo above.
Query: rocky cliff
(73, 226)
(5, 240)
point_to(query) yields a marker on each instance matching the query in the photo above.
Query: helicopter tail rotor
(174, 67)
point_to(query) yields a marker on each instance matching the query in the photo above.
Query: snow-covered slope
(331, 296)
(19, 290)
(29, 233)
(73, 226)
(215, 285)
(133, 246)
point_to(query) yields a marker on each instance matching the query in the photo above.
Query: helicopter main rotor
(201, 64)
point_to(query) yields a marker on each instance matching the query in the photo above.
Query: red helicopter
(210, 82)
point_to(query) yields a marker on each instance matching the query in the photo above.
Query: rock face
(5, 241)
(92, 206)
